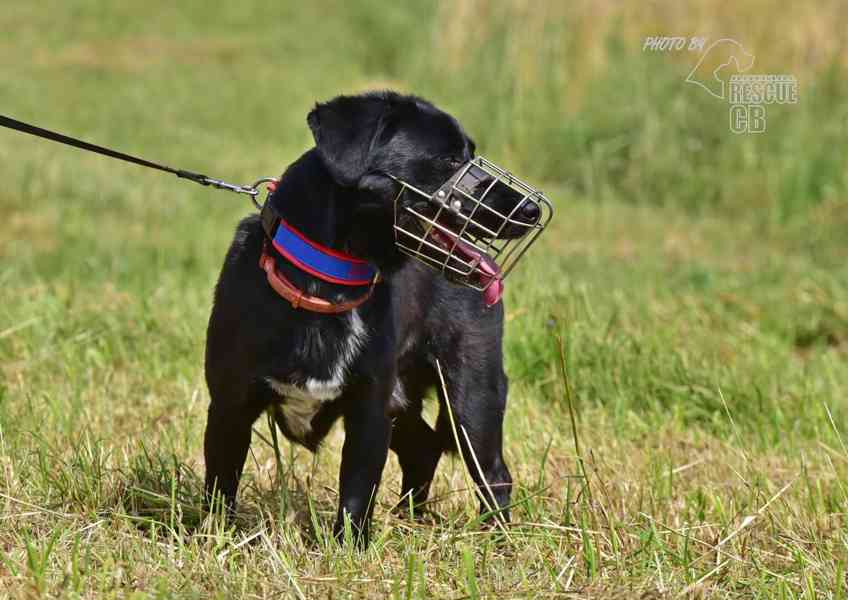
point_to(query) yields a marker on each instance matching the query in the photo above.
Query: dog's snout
(530, 212)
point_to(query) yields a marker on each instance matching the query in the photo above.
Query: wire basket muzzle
(475, 227)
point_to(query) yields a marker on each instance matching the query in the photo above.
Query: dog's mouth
(474, 227)
(482, 267)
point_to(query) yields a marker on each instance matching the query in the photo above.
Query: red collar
(299, 298)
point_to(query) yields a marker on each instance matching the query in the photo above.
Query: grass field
(697, 281)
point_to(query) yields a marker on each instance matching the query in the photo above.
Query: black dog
(371, 365)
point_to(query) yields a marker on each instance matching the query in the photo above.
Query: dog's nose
(530, 212)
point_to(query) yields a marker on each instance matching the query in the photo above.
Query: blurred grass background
(698, 278)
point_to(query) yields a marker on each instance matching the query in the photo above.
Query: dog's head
(410, 160)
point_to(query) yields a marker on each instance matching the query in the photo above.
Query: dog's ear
(344, 130)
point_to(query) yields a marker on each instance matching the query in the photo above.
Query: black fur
(338, 194)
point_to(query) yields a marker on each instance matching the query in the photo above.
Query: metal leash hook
(251, 190)
(272, 186)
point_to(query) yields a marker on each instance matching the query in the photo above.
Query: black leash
(250, 190)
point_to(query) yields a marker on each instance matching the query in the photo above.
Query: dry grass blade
(748, 520)
(693, 586)
(35, 506)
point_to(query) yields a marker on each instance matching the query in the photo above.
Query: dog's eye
(452, 161)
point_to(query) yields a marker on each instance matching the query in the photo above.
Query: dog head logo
(723, 58)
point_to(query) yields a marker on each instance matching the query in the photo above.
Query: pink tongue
(493, 293)
(489, 272)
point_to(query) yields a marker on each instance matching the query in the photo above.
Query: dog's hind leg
(416, 445)
(418, 449)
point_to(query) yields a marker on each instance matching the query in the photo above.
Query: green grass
(698, 282)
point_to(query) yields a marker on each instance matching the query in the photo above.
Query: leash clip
(251, 190)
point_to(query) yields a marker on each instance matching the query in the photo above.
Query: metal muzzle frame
(475, 227)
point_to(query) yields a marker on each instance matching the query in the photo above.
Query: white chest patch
(299, 404)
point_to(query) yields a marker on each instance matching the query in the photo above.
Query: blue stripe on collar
(320, 261)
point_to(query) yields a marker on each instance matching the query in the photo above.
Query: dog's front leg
(227, 439)
(478, 401)
(366, 447)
